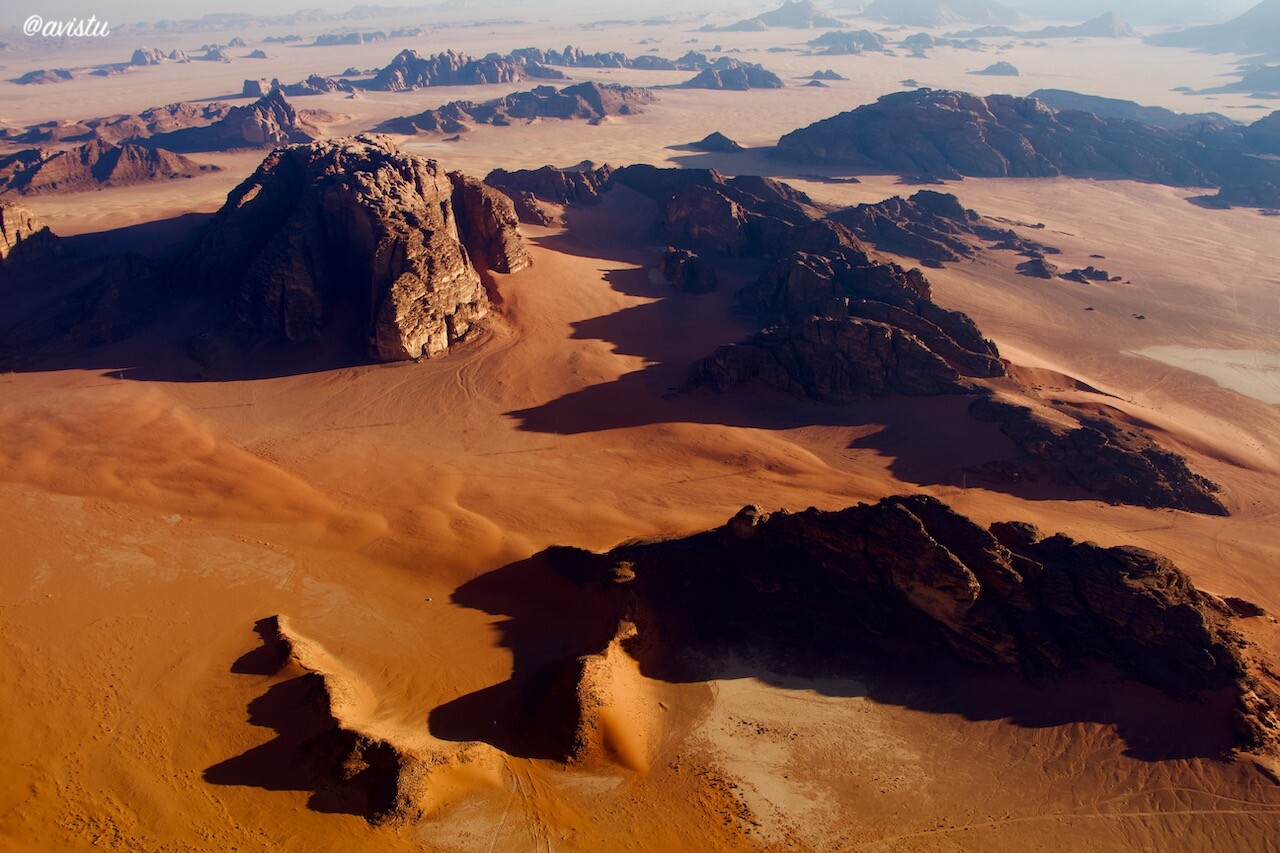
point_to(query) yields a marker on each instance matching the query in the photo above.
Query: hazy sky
(14, 12)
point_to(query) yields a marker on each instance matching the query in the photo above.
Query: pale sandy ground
(149, 525)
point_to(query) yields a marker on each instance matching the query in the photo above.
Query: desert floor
(148, 524)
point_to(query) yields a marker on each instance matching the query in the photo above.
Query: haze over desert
(500, 426)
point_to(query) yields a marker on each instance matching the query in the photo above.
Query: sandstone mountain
(266, 123)
(355, 242)
(938, 13)
(588, 101)
(728, 73)
(125, 127)
(953, 134)
(91, 166)
(908, 580)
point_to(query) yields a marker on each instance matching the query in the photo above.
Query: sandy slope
(149, 525)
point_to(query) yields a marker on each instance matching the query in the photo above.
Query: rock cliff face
(356, 239)
(953, 134)
(911, 579)
(688, 272)
(728, 73)
(533, 189)
(23, 236)
(572, 57)
(266, 123)
(92, 165)
(1118, 463)
(588, 101)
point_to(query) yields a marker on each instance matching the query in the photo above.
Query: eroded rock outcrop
(590, 101)
(357, 232)
(92, 165)
(1118, 462)
(267, 122)
(688, 272)
(929, 226)
(729, 73)
(718, 143)
(409, 70)
(911, 579)
(532, 189)
(125, 127)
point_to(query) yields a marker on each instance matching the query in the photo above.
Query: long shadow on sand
(302, 755)
(547, 623)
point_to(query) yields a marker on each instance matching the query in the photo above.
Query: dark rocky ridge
(572, 57)
(1117, 462)
(953, 134)
(123, 127)
(910, 579)
(588, 101)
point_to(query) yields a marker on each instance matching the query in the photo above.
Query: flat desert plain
(387, 512)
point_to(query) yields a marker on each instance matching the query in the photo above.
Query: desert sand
(150, 524)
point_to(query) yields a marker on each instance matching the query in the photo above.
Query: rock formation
(728, 73)
(356, 240)
(148, 56)
(22, 235)
(717, 142)
(588, 101)
(952, 134)
(91, 166)
(532, 189)
(1109, 25)
(930, 226)
(849, 43)
(686, 271)
(410, 71)
(1118, 462)
(572, 57)
(266, 123)
(910, 581)
(792, 14)
(1061, 99)
(999, 69)
(125, 127)
(1256, 31)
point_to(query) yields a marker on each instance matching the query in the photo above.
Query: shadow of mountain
(307, 746)
(549, 623)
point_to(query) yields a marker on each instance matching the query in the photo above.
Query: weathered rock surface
(1118, 462)
(911, 579)
(358, 240)
(1062, 99)
(266, 123)
(686, 271)
(588, 101)
(93, 165)
(953, 134)
(23, 236)
(729, 73)
(832, 360)
(532, 189)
